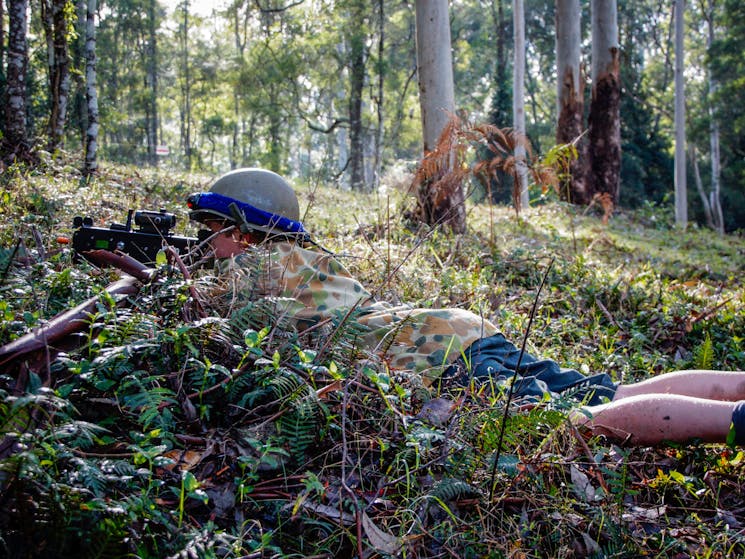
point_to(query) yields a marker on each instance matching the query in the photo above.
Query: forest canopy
(318, 89)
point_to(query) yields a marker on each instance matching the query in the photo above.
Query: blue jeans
(494, 359)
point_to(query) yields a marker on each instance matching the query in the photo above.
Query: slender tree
(91, 92)
(357, 71)
(570, 97)
(186, 85)
(518, 100)
(239, 20)
(502, 89)
(604, 120)
(54, 18)
(714, 198)
(380, 96)
(2, 62)
(15, 140)
(151, 80)
(681, 197)
(500, 113)
(437, 103)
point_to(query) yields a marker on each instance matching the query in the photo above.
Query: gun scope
(147, 220)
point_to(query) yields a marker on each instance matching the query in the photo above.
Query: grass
(169, 436)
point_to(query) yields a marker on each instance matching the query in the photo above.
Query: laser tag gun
(152, 233)
(246, 216)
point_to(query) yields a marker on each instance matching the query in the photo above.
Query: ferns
(703, 355)
(252, 407)
(270, 312)
(302, 423)
(145, 401)
(452, 489)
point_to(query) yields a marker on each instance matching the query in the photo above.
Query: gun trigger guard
(239, 218)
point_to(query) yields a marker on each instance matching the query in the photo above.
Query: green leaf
(731, 436)
(190, 482)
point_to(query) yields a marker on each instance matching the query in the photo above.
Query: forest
(329, 89)
(140, 418)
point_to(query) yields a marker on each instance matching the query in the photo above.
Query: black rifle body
(142, 244)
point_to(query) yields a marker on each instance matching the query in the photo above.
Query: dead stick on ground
(64, 324)
(122, 261)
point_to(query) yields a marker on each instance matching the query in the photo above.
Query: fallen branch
(78, 318)
(122, 261)
(65, 323)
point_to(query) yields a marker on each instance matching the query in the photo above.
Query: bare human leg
(726, 386)
(654, 418)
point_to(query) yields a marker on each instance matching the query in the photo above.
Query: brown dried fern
(438, 182)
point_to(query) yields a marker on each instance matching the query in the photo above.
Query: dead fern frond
(546, 177)
(438, 181)
(605, 201)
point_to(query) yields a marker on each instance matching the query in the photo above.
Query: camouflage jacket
(310, 286)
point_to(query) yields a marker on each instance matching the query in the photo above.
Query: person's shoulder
(300, 254)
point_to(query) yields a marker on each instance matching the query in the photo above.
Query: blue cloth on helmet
(494, 359)
(221, 204)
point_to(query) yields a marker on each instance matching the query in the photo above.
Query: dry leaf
(381, 540)
(581, 484)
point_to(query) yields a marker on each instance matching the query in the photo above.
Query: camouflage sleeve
(309, 287)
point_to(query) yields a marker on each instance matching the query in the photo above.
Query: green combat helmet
(259, 188)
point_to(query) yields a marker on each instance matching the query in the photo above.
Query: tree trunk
(357, 83)
(522, 196)
(604, 120)
(700, 186)
(59, 77)
(502, 100)
(714, 195)
(570, 98)
(2, 46)
(500, 114)
(16, 143)
(343, 148)
(3, 82)
(434, 62)
(151, 110)
(681, 195)
(235, 141)
(437, 102)
(91, 93)
(378, 147)
(275, 127)
(186, 86)
(240, 34)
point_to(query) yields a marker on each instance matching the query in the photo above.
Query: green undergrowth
(163, 431)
